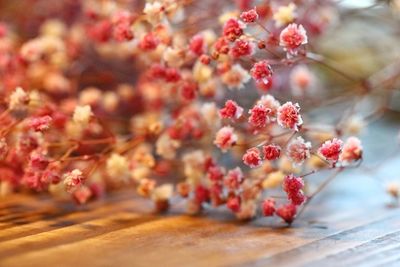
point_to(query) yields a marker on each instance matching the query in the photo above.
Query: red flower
(249, 16)
(242, 48)
(233, 29)
(268, 207)
(233, 204)
(331, 149)
(252, 157)
(287, 212)
(261, 71)
(259, 116)
(231, 110)
(292, 37)
(289, 116)
(271, 152)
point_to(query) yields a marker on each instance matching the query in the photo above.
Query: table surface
(350, 224)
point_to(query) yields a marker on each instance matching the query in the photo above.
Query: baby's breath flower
(82, 115)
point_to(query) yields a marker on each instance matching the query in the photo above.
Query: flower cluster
(110, 95)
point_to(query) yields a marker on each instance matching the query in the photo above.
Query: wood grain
(350, 224)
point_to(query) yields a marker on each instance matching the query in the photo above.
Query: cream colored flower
(82, 114)
(117, 166)
(285, 15)
(19, 99)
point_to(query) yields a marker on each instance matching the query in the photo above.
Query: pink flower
(287, 212)
(233, 203)
(268, 207)
(38, 161)
(197, 45)
(298, 150)
(271, 152)
(233, 29)
(293, 186)
(289, 116)
(252, 157)
(233, 179)
(259, 116)
(215, 173)
(231, 110)
(242, 48)
(148, 42)
(331, 149)
(39, 124)
(249, 16)
(122, 26)
(225, 138)
(270, 102)
(352, 150)
(73, 180)
(261, 71)
(292, 37)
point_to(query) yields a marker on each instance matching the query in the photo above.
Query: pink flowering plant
(199, 101)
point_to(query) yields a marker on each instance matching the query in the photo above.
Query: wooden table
(350, 224)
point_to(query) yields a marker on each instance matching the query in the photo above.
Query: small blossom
(233, 203)
(122, 26)
(215, 173)
(197, 44)
(242, 48)
(233, 179)
(287, 212)
(225, 138)
(271, 152)
(247, 210)
(235, 77)
(259, 116)
(261, 71)
(117, 166)
(40, 124)
(233, 29)
(82, 194)
(288, 116)
(268, 101)
(149, 42)
(268, 207)
(298, 150)
(285, 15)
(252, 157)
(38, 161)
(351, 151)
(249, 16)
(231, 110)
(19, 99)
(292, 37)
(201, 194)
(82, 114)
(73, 179)
(292, 184)
(331, 149)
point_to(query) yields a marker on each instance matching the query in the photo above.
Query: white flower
(117, 166)
(285, 15)
(154, 12)
(82, 114)
(19, 99)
